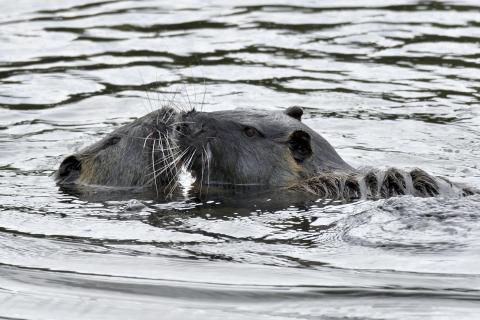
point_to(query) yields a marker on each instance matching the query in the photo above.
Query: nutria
(241, 147)
(268, 148)
(255, 147)
(142, 153)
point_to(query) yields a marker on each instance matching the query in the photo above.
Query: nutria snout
(143, 153)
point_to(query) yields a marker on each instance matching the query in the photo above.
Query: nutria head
(141, 153)
(245, 146)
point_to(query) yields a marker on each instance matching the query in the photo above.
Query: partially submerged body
(267, 149)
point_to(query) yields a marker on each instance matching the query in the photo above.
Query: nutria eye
(250, 131)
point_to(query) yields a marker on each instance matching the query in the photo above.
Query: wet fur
(375, 184)
(262, 159)
(221, 148)
(143, 153)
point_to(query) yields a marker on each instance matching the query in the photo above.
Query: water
(388, 83)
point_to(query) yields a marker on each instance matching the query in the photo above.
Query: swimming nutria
(236, 147)
(142, 153)
(255, 147)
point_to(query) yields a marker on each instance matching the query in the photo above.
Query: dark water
(389, 83)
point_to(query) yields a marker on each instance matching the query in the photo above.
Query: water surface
(388, 83)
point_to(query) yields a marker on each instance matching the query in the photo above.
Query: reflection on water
(389, 83)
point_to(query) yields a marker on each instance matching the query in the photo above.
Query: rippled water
(388, 83)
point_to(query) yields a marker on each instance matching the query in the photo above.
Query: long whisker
(169, 117)
(201, 175)
(146, 92)
(174, 167)
(153, 167)
(204, 92)
(146, 138)
(208, 167)
(170, 164)
(174, 179)
(188, 97)
(189, 162)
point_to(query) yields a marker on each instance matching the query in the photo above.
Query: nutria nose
(183, 128)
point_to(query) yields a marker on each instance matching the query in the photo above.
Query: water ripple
(388, 83)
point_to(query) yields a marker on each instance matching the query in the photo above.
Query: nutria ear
(69, 169)
(299, 145)
(295, 112)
